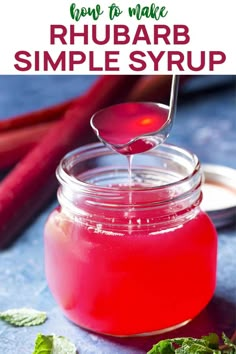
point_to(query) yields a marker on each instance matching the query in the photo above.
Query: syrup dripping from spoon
(136, 127)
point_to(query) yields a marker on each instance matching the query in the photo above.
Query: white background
(25, 25)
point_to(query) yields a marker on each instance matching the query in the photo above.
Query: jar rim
(97, 149)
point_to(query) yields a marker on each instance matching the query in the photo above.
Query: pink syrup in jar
(130, 257)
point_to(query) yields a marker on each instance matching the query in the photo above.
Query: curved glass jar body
(128, 260)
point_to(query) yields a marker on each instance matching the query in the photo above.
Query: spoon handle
(173, 96)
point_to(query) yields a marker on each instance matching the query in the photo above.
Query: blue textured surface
(206, 124)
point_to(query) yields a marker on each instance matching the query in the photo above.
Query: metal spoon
(135, 127)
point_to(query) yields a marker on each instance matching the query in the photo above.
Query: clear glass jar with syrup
(127, 257)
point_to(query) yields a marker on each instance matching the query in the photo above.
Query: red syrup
(134, 280)
(132, 128)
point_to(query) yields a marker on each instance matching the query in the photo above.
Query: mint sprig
(43, 344)
(23, 317)
(205, 345)
(52, 344)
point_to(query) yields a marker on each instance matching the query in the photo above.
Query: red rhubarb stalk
(15, 144)
(32, 183)
(41, 116)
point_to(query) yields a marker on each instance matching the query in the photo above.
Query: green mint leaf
(43, 344)
(62, 345)
(53, 344)
(205, 345)
(163, 347)
(23, 317)
(229, 343)
(191, 347)
(212, 341)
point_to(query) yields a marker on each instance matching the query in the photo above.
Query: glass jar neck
(166, 184)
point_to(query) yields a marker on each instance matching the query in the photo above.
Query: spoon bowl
(135, 127)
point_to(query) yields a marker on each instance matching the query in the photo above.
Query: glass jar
(130, 258)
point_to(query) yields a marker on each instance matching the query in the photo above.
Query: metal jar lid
(219, 194)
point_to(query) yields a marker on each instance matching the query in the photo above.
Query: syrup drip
(132, 128)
